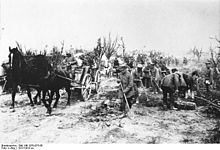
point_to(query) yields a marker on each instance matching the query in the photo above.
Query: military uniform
(155, 78)
(209, 72)
(217, 79)
(116, 63)
(70, 63)
(137, 76)
(170, 84)
(126, 80)
(147, 76)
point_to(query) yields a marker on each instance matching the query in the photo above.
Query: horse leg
(39, 103)
(69, 93)
(57, 99)
(29, 95)
(50, 97)
(44, 102)
(14, 88)
(37, 95)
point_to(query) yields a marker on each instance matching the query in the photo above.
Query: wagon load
(109, 89)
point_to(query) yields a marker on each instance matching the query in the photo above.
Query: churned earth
(94, 121)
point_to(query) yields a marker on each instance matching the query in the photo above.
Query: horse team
(36, 72)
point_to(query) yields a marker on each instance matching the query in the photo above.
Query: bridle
(11, 60)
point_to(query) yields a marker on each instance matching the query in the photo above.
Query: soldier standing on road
(209, 76)
(155, 78)
(126, 79)
(147, 76)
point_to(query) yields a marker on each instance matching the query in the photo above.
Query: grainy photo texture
(109, 71)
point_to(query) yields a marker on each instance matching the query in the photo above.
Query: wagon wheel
(86, 87)
(97, 80)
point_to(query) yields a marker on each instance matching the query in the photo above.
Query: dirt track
(72, 124)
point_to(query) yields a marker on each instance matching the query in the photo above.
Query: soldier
(137, 75)
(116, 63)
(71, 63)
(126, 80)
(147, 75)
(209, 76)
(115, 66)
(217, 78)
(169, 85)
(155, 78)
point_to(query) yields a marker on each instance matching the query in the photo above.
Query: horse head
(15, 58)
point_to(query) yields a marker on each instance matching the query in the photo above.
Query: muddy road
(79, 124)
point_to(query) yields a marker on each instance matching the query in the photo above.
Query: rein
(63, 77)
(10, 61)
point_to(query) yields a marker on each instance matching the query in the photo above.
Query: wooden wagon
(86, 80)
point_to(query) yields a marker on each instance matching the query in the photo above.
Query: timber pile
(146, 98)
(183, 105)
(214, 104)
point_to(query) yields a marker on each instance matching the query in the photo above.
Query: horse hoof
(11, 107)
(55, 106)
(32, 105)
(39, 103)
(68, 104)
(49, 110)
(12, 110)
(35, 101)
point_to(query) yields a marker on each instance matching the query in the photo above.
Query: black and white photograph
(109, 72)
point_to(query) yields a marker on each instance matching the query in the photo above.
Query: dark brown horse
(26, 73)
(57, 80)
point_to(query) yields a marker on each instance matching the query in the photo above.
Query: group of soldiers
(151, 76)
(148, 76)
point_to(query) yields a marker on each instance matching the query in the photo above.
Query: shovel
(126, 100)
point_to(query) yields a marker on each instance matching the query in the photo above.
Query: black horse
(57, 80)
(26, 73)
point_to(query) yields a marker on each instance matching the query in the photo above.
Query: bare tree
(217, 40)
(110, 46)
(215, 56)
(123, 46)
(99, 52)
(197, 53)
(62, 47)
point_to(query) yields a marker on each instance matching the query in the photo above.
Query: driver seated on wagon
(71, 64)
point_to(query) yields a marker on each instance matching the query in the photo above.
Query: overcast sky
(171, 26)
